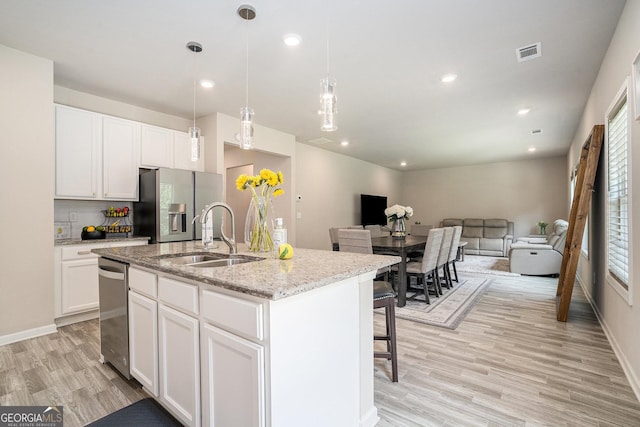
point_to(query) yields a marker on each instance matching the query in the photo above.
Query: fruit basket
(116, 221)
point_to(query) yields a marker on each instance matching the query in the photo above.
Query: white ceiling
(387, 58)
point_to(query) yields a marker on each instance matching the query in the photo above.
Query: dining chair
(426, 269)
(443, 258)
(453, 253)
(374, 229)
(359, 241)
(333, 234)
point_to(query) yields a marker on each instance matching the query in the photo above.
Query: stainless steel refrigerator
(170, 199)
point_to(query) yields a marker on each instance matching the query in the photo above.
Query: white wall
(26, 193)
(330, 185)
(524, 192)
(619, 318)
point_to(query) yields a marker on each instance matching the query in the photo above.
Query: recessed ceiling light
(523, 111)
(291, 39)
(531, 149)
(403, 163)
(207, 84)
(448, 78)
(344, 143)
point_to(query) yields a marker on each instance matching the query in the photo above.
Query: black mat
(145, 412)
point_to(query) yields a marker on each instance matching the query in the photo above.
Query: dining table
(400, 247)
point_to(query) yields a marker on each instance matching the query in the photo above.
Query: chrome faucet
(233, 248)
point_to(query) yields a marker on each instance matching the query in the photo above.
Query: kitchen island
(265, 343)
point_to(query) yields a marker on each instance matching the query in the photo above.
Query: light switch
(73, 217)
(298, 215)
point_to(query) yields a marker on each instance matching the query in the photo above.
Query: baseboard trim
(371, 418)
(634, 382)
(75, 318)
(28, 334)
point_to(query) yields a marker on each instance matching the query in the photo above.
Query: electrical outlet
(73, 216)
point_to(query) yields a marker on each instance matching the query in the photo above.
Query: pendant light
(248, 13)
(194, 131)
(328, 99)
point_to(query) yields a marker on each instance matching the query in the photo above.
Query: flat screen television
(372, 209)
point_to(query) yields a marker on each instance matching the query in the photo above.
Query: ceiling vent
(319, 141)
(536, 131)
(529, 52)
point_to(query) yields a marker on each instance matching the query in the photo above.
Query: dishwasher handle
(111, 274)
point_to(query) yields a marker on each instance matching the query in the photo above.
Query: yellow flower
(241, 182)
(256, 180)
(265, 174)
(278, 192)
(280, 177)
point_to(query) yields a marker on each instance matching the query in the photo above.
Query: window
(618, 205)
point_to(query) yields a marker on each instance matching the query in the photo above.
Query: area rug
(143, 413)
(448, 310)
(496, 266)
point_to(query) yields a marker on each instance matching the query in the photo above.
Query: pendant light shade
(248, 13)
(328, 100)
(246, 128)
(194, 131)
(328, 104)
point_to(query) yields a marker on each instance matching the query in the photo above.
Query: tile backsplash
(88, 212)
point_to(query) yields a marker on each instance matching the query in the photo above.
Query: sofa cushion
(451, 222)
(495, 228)
(473, 227)
(492, 245)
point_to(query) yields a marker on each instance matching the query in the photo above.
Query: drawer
(80, 251)
(235, 314)
(182, 296)
(143, 282)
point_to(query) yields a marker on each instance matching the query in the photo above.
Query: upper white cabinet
(120, 142)
(96, 156)
(78, 153)
(166, 148)
(156, 147)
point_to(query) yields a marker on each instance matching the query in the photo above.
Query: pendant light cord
(327, 34)
(247, 66)
(194, 88)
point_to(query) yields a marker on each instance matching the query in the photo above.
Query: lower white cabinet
(79, 285)
(76, 279)
(179, 364)
(233, 378)
(143, 341)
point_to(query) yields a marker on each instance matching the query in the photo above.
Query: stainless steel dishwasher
(114, 319)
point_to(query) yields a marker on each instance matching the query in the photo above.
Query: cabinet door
(156, 147)
(232, 380)
(79, 285)
(179, 364)
(120, 145)
(78, 157)
(182, 153)
(143, 341)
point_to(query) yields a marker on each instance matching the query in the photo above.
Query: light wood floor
(509, 363)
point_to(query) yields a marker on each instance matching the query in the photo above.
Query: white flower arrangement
(396, 211)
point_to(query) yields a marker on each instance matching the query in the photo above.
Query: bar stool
(384, 297)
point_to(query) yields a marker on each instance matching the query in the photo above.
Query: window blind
(618, 220)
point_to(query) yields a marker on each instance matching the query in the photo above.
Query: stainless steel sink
(208, 260)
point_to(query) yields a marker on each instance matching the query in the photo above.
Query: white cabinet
(182, 152)
(179, 364)
(156, 147)
(166, 148)
(96, 156)
(120, 142)
(78, 152)
(76, 279)
(233, 379)
(143, 328)
(80, 285)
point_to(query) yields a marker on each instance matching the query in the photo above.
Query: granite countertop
(270, 278)
(62, 242)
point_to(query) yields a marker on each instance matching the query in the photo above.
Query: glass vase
(398, 229)
(258, 227)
